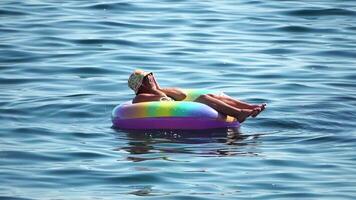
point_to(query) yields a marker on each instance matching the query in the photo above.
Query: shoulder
(145, 97)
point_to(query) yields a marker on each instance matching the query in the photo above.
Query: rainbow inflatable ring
(182, 115)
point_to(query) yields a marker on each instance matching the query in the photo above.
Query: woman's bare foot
(253, 106)
(245, 113)
(263, 106)
(258, 110)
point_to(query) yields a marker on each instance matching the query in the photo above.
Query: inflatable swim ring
(170, 115)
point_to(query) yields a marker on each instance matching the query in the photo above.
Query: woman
(147, 89)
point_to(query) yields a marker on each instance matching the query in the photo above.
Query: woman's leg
(224, 108)
(233, 102)
(239, 104)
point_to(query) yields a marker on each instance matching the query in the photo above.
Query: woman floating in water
(147, 89)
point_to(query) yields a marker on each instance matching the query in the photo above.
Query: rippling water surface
(64, 66)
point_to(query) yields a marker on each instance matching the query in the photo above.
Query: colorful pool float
(182, 115)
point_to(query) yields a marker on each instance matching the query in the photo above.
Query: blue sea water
(64, 66)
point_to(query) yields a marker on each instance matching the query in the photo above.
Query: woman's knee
(213, 96)
(209, 96)
(202, 97)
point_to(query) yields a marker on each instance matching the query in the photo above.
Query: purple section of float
(181, 123)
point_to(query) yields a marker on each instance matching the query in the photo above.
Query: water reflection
(156, 144)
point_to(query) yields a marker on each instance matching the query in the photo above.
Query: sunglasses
(149, 74)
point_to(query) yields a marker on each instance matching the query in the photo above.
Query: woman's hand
(155, 82)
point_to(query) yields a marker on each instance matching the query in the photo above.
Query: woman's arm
(145, 97)
(174, 93)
